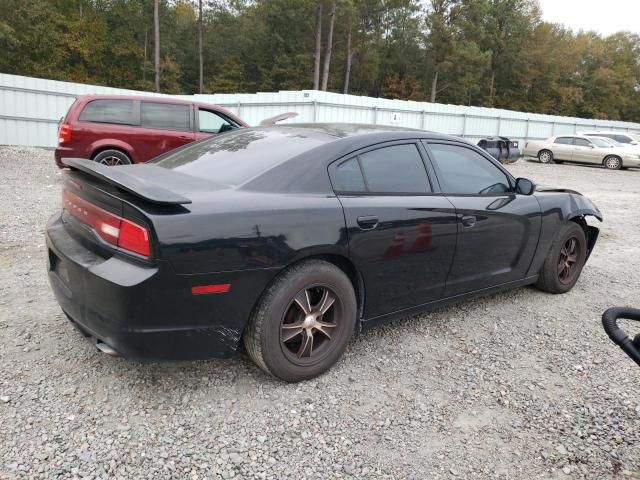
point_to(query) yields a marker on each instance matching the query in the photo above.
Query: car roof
(354, 131)
(291, 157)
(151, 98)
(604, 132)
(337, 140)
(571, 135)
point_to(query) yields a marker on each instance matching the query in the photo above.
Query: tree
(440, 40)
(200, 58)
(156, 41)
(471, 52)
(329, 47)
(318, 47)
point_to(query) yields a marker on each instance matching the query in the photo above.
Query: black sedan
(290, 238)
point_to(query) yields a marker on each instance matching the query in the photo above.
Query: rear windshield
(235, 157)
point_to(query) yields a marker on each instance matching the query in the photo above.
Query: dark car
(119, 130)
(502, 149)
(291, 238)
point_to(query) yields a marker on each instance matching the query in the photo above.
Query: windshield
(235, 157)
(601, 142)
(635, 137)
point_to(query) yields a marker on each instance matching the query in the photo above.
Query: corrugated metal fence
(30, 109)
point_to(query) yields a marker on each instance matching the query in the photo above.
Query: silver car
(582, 149)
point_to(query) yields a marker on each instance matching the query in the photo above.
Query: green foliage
(485, 52)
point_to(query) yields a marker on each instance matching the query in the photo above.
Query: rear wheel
(545, 156)
(565, 260)
(112, 158)
(612, 163)
(303, 323)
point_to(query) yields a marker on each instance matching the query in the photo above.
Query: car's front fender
(557, 207)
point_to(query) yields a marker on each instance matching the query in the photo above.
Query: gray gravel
(517, 385)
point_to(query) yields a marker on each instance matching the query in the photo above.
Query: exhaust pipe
(104, 348)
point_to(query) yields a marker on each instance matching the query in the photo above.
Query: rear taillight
(117, 231)
(64, 134)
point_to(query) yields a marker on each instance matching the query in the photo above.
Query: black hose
(616, 334)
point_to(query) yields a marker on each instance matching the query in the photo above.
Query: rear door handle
(368, 222)
(468, 220)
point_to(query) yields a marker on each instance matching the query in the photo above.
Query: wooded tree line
(472, 52)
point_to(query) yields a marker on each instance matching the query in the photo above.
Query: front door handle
(468, 220)
(368, 222)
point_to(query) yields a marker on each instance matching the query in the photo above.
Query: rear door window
(564, 140)
(165, 116)
(109, 111)
(395, 169)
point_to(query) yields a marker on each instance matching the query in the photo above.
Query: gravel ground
(517, 385)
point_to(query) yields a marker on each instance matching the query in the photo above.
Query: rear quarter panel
(532, 148)
(233, 230)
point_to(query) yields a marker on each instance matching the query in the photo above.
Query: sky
(605, 17)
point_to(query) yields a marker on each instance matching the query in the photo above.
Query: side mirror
(634, 143)
(525, 186)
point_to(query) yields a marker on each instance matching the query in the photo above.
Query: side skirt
(366, 324)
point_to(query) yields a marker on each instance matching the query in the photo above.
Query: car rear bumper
(147, 312)
(66, 152)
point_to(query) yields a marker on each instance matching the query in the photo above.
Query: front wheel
(545, 156)
(565, 260)
(612, 163)
(302, 324)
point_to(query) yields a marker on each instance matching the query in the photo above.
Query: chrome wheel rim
(311, 325)
(568, 260)
(545, 157)
(111, 161)
(612, 163)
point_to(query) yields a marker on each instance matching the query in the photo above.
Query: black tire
(278, 314)
(612, 162)
(112, 158)
(545, 156)
(554, 280)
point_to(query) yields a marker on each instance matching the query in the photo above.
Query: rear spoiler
(119, 177)
(267, 122)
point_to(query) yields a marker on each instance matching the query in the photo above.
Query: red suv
(118, 130)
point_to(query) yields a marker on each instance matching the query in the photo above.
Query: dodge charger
(288, 239)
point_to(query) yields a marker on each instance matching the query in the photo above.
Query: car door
(401, 233)
(210, 122)
(498, 229)
(164, 126)
(586, 152)
(562, 148)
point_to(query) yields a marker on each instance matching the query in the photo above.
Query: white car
(582, 149)
(631, 140)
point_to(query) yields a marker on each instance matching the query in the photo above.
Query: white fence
(30, 109)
